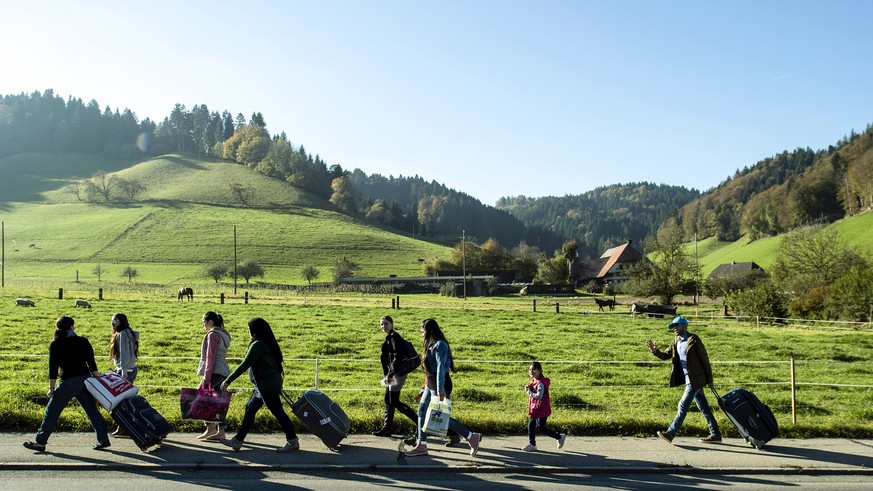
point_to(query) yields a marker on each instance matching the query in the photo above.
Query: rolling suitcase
(753, 418)
(321, 416)
(142, 423)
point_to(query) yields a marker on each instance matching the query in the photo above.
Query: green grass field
(853, 231)
(604, 381)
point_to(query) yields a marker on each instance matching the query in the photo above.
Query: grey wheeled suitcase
(753, 419)
(142, 423)
(321, 416)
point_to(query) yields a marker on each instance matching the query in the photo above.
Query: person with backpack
(399, 358)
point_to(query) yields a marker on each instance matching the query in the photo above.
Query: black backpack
(407, 360)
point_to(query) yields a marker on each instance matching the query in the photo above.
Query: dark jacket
(697, 362)
(393, 350)
(72, 356)
(265, 369)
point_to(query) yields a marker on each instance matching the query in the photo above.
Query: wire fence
(322, 364)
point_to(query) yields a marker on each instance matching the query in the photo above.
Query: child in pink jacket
(539, 408)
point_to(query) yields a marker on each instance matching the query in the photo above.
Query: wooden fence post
(793, 393)
(535, 304)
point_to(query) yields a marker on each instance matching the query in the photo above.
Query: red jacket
(539, 408)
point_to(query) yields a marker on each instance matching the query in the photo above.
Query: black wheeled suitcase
(321, 416)
(753, 419)
(142, 423)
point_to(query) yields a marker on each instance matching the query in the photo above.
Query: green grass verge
(604, 381)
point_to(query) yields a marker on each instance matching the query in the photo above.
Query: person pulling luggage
(691, 368)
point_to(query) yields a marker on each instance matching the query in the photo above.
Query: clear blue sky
(492, 98)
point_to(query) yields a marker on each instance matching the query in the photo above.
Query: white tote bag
(436, 419)
(109, 389)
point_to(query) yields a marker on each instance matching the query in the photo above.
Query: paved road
(183, 462)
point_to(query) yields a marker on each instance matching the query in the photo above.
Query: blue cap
(678, 320)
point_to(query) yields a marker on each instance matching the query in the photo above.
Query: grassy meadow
(604, 380)
(854, 230)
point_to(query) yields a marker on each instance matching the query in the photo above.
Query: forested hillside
(602, 218)
(41, 123)
(785, 191)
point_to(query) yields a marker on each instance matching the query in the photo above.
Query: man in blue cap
(691, 368)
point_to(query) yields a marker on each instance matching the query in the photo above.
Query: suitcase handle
(712, 387)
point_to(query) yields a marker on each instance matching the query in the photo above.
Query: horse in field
(186, 291)
(605, 302)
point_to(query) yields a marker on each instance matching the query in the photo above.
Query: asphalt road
(367, 462)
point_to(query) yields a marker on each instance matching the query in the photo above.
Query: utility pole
(234, 259)
(3, 255)
(464, 260)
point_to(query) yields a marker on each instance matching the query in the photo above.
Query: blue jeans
(454, 424)
(699, 398)
(274, 404)
(65, 391)
(540, 423)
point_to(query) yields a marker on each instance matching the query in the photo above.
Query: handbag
(436, 419)
(109, 389)
(204, 404)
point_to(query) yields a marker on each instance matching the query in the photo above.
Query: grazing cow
(83, 304)
(186, 291)
(605, 302)
(24, 302)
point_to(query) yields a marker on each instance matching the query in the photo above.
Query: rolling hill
(853, 231)
(182, 221)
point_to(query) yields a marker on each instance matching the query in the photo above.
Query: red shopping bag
(204, 404)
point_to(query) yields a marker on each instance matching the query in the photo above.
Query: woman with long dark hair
(263, 361)
(72, 357)
(437, 360)
(123, 347)
(213, 365)
(123, 351)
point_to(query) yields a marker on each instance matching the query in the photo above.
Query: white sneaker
(529, 448)
(562, 440)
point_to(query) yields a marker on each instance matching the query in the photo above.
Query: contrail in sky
(787, 75)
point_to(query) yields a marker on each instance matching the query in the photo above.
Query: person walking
(72, 357)
(437, 361)
(124, 347)
(123, 351)
(213, 367)
(263, 361)
(539, 408)
(393, 353)
(691, 369)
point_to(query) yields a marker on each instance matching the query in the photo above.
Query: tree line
(787, 191)
(604, 217)
(44, 122)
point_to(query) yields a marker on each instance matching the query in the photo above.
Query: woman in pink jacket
(213, 365)
(539, 408)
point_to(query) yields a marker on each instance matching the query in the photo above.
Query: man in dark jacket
(691, 368)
